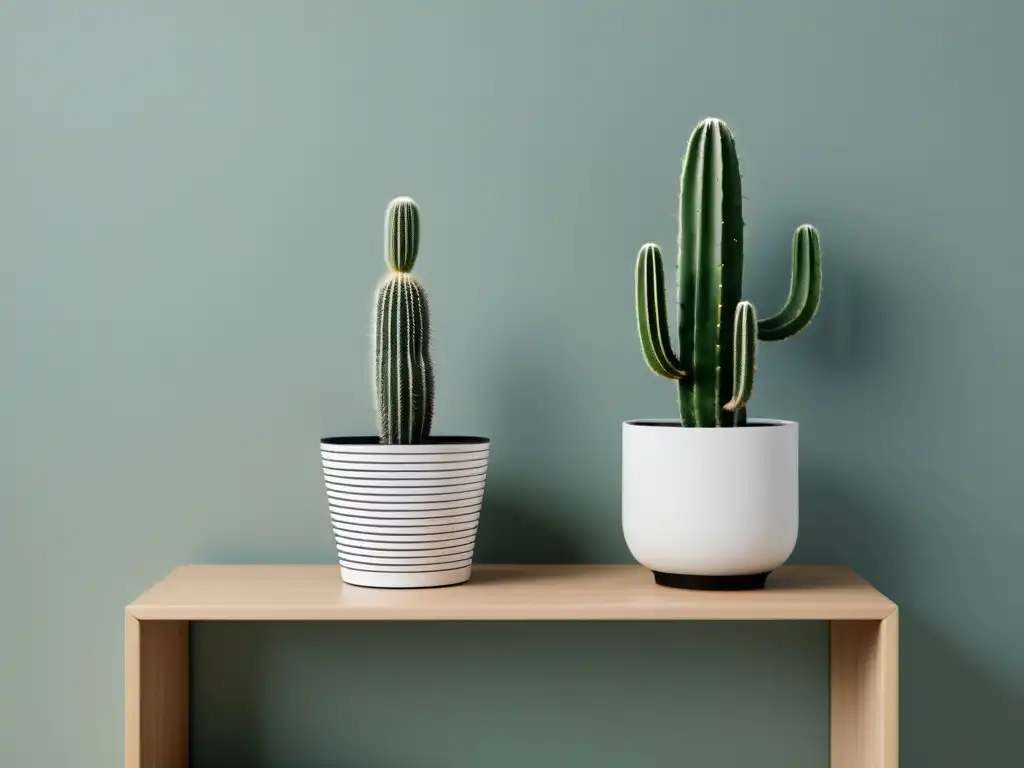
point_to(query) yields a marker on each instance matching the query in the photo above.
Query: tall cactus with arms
(403, 370)
(718, 331)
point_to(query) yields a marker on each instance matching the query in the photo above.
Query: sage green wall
(191, 200)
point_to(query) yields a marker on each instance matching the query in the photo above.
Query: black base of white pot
(712, 583)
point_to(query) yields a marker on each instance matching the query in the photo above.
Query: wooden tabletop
(501, 592)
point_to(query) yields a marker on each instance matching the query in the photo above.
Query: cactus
(402, 367)
(718, 331)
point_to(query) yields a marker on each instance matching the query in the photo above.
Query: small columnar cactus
(402, 367)
(718, 331)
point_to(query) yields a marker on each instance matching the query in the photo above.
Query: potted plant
(404, 504)
(710, 501)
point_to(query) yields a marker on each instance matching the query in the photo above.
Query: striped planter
(405, 515)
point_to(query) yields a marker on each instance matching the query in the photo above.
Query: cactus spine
(718, 331)
(402, 366)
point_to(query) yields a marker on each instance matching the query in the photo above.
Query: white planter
(405, 516)
(710, 508)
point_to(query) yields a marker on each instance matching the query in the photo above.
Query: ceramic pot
(405, 516)
(710, 508)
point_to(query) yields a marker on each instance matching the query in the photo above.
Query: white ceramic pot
(405, 516)
(710, 508)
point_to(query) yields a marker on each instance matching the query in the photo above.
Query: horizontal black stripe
(368, 542)
(408, 573)
(347, 507)
(429, 529)
(476, 461)
(400, 498)
(376, 546)
(431, 495)
(413, 567)
(347, 554)
(431, 474)
(435, 470)
(371, 558)
(411, 554)
(334, 509)
(425, 525)
(386, 475)
(338, 488)
(343, 513)
(414, 487)
(396, 532)
(475, 451)
(425, 546)
(405, 466)
(405, 522)
(432, 527)
(415, 570)
(406, 508)
(469, 530)
(431, 440)
(363, 474)
(467, 517)
(378, 504)
(466, 537)
(427, 498)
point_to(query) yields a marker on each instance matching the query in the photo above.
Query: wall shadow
(532, 506)
(853, 328)
(520, 528)
(225, 670)
(953, 713)
(503, 694)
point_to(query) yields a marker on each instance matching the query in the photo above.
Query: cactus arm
(744, 357)
(731, 270)
(652, 319)
(804, 289)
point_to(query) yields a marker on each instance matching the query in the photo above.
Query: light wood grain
(864, 631)
(156, 693)
(501, 592)
(865, 693)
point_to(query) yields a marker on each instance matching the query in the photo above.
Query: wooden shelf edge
(586, 592)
